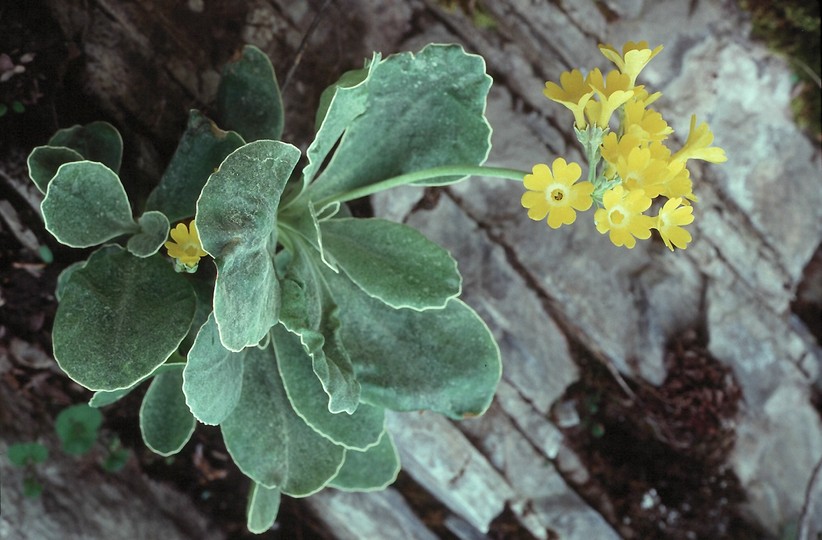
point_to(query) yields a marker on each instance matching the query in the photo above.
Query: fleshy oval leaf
(86, 205)
(119, 318)
(393, 262)
(248, 98)
(165, 421)
(269, 442)
(237, 221)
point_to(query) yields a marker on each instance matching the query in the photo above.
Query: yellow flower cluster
(627, 167)
(185, 248)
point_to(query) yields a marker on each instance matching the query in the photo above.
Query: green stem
(426, 174)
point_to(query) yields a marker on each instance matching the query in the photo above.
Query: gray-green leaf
(86, 205)
(165, 421)
(269, 442)
(119, 318)
(371, 470)
(340, 104)
(44, 161)
(423, 111)
(359, 430)
(393, 262)
(98, 141)
(263, 505)
(213, 376)
(445, 359)
(308, 310)
(153, 233)
(237, 221)
(200, 151)
(248, 98)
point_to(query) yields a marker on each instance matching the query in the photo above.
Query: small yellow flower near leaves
(553, 193)
(185, 247)
(698, 145)
(574, 94)
(670, 220)
(635, 56)
(622, 216)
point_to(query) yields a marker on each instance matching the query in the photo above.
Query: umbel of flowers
(628, 167)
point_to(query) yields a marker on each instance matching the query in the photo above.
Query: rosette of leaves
(305, 324)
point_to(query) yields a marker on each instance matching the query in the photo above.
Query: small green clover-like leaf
(213, 376)
(32, 487)
(25, 454)
(248, 98)
(263, 505)
(422, 111)
(393, 262)
(97, 141)
(153, 233)
(269, 442)
(358, 430)
(445, 360)
(44, 161)
(200, 151)
(310, 311)
(77, 427)
(119, 318)
(237, 221)
(86, 205)
(371, 470)
(165, 421)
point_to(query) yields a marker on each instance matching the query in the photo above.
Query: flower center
(616, 217)
(557, 194)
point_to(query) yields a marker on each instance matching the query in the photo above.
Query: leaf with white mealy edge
(417, 116)
(200, 151)
(97, 141)
(445, 360)
(248, 98)
(119, 318)
(309, 310)
(101, 398)
(165, 421)
(269, 442)
(86, 205)
(393, 262)
(153, 233)
(237, 222)
(340, 104)
(374, 469)
(44, 161)
(359, 430)
(213, 376)
(263, 505)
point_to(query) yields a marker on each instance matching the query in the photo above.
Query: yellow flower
(635, 56)
(553, 193)
(185, 247)
(574, 94)
(613, 92)
(640, 171)
(698, 145)
(646, 124)
(670, 220)
(622, 216)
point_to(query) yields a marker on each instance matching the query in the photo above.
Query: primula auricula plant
(271, 311)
